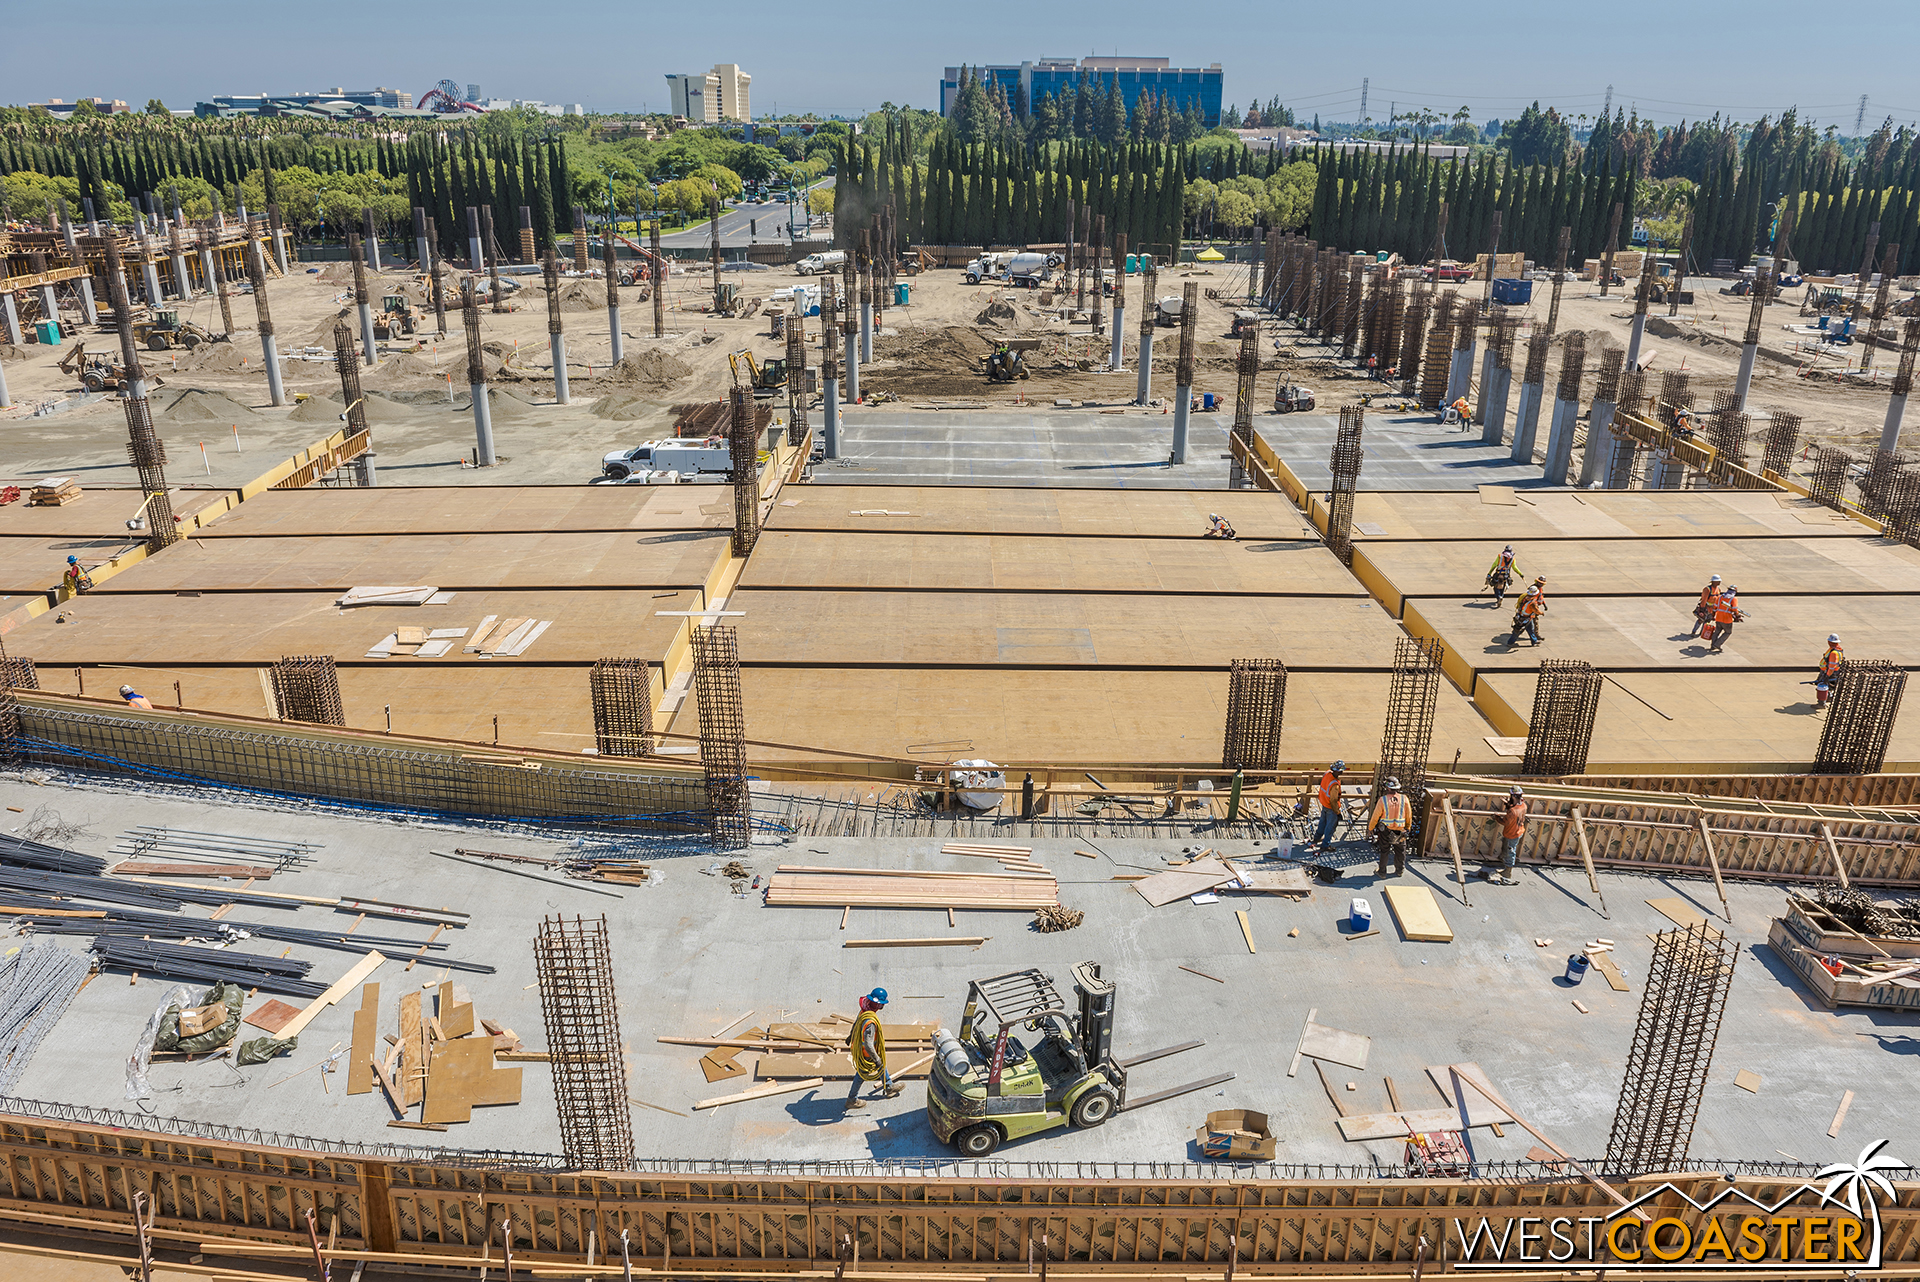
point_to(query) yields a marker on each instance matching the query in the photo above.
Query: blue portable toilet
(900, 293)
(49, 332)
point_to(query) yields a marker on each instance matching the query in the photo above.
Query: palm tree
(1854, 1178)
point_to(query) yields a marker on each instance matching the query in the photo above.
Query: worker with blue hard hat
(869, 1047)
(76, 577)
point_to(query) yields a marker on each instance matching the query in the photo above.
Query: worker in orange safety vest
(1726, 613)
(1389, 824)
(1328, 796)
(1526, 618)
(1830, 663)
(1704, 610)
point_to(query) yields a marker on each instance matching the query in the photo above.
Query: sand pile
(1002, 313)
(197, 405)
(651, 368)
(381, 411)
(412, 371)
(220, 358)
(8, 352)
(624, 407)
(575, 296)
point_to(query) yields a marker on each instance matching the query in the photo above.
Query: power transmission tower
(1363, 100)
(1860, 116)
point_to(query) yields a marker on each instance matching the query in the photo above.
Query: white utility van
(707, 458)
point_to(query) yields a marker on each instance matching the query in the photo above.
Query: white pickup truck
(671, 461)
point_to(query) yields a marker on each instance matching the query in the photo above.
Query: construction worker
(1388, 825)
(1329, 798)
(1704, 610)
(135, 699)
(76, 578)
(1373, 365)
(1513, 827)
(869, 1047)
(1830, 663)
(1526, 616)
(1726, 613)
(1217, 528)
(1500, 575)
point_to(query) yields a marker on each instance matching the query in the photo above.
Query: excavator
(767, 378)
(98, 374)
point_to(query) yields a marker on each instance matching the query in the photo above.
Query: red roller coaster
(445, 98)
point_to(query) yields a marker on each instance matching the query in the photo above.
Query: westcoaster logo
(1807, 1229)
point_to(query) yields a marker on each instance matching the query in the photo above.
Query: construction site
(1125, 776)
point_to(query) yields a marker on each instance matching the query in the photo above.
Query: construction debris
(1055, 918)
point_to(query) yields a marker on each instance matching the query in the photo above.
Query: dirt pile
(947, 349)
(220, 358)
(575, 296)
(651, 369)
(8, 352)
(413, 371)
(1003, 314)
(197, 405)
(624, 407)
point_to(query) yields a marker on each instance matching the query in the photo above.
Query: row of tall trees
(1094, 110)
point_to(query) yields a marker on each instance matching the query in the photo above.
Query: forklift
(987, 1086)
(395, 318)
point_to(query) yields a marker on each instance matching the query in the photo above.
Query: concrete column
(1665, 473)
(830, 417)
(853, 368)
(1459, 374)
(150, 274)
(1493, 427)
(1488, 359)
(473, 240)
(368, 476)
(373, 243)
(557, 343)
(49, 304)
(1599, 455)
(1890, 432)
(87, 308)
(6, 397)
(1633, 340)
(1119, 328)
(1560, 429)
(280, 249)
(208, 267)
(182, 285)
(866, 332)
(12, 314)
(482, 425)
(1182, 400)
(1744, 378)
(1143, 389)
(270, 356)
(613, 332)
(1526, 421)
(367, 353)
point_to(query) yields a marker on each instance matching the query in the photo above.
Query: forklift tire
(1092, 1109)
(978, 1141)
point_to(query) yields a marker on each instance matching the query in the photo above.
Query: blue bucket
(1577, 965)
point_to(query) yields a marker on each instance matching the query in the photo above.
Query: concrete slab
(1295, 567)
(690, 958)
(525, 509)
(1110, 449)
(975, 629)
(1399, 452)
(958, 509)
(1592, 514)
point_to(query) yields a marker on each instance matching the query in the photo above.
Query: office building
(708, 97)
(1026, 83)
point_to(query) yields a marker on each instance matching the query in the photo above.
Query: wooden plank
(1747, 1080)
(836, 1064)
(761, 1092)
(1479, 1112)
(1356, 1127)
(1839, 864)
(412, 1048)
(366, 1033)
(1301, 1048)
(937, 941)
(1419, 916)
(462, 1077)
(1840, 1115)
(239, 872)
(1335, 1045)
(391, 1088)
(456, 1017)
(1604, 964)
(1586, 858)
(1333, 1096)
(340, 988)
(715, 1066)
(1453, 844)
(1706, 835)
(1246, 929)
(271, 1016)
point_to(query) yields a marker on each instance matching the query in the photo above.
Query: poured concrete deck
(535, 509)
(1116, 449)
(1398, 452)
(957, 509)
(1591, 514)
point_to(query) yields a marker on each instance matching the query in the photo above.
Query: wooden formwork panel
(1602, 514)
(447, 509)
(959, 509)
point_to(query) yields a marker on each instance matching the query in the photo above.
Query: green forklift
(988, 1086)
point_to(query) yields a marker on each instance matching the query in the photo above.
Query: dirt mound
(1660, 327)
(381, 410)
(8, 352)
(652, 368)
(1002, 313)
(624, 407)
(411, 371)
(950, 348)
(505, 407)
(197, 405)
(575, 296)
(220, 358)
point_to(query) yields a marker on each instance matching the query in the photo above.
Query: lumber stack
(1015, 858)
(807, 887)
(55, 491)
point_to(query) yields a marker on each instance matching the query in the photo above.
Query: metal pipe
(482, 425)
(1182, 400)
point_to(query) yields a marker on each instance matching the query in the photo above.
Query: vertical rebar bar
(1681, 1005)
(573, 962)
(723, 736)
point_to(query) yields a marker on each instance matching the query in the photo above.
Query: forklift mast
(1096, 1014)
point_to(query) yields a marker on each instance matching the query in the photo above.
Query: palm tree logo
(1862, 1175)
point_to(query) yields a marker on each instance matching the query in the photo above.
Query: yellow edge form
(1451, 662)
(1375, 581)
(1498, 711)
(1419, 916)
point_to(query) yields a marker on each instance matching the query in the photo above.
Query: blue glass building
(1028, 82)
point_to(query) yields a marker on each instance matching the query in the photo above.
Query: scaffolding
(1345, 465)
(573, 962)
(1684, 999)
(1256, 706)
(622, 692)
(723, 736)
(1860, 718)
(306, 687)
(1566, 698)
(1407, 737)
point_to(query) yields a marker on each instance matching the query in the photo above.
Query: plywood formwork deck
(460, 510)
(978, 629)
(944, 509)
(106, 628)
(32, 563)
(1594, 514)
(1004, 562)
(1627, 633)
(1085, 719)
(1722, 722)
(97, 513)
(1620, 567)
(450, 561)
(537, 707)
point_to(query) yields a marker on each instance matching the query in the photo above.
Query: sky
(1671, 59)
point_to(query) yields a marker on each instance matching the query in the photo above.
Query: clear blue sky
(1671, 58)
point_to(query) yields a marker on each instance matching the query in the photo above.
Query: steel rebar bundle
(1356, 280)
(37, 985)
(581, 247)
(358, 254)
(220, 290)
(1413, 334)
(22, 852)
(1256, 707)
(306, 687)
(1345, 466)
(1680, 266)
(657, 274)
(573, 962)
(744, 441)
(347, 365)
(147, 452)
(256, 273)
(436, 273)
(1247, 373)
(1624, 460)
(1676, 396)
(1827, 479)
(1434, 367)
(622, 707)
(470, 320)
(206, 965)
(1860, 718)
(797, 380)
(1781, 441)
(1189, 323)
(1573, 365)
(1566, 697)
(550, 275)
(610, 266)
(130, 923)
(1559, 276)
(1393, 308)
(1407, 736)
(713, 222)
(1339, 266)
(1889, 263)
(723, 736)
(1684, 999)
(1095, 243)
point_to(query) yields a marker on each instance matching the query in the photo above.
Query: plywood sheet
(1177, 883)
(959, 509)
(1419, 916)
(447, 509)
(462, 1077)
(1460, 514)
(1678, 911)
(366, 1035)
(1336, 1046)
(271, 1015)
(1392, 1126)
